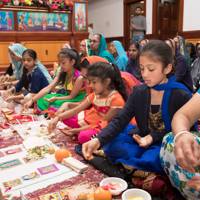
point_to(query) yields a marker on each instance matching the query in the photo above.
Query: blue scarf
(168, 87)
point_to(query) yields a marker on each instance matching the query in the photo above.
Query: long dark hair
(24, 78)
(72, 54)
(159, 50)
(106, 70)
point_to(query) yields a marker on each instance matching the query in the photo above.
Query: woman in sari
(119, 54)
(180, 150)
(99, 48)
(133, 61)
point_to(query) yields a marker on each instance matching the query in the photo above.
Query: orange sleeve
(117, 101)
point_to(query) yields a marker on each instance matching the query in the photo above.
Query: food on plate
(44, 130)
(101, 194)
(112, 186)
(60, 154)
(135, 198)
(51, 150)
(38, 153)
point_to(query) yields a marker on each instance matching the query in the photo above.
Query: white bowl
(119, 183)
(140, 194)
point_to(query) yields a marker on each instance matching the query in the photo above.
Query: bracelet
(179, 134)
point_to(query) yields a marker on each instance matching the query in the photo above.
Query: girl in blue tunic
(153, 105)
(32, 80)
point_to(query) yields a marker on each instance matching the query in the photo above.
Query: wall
(149, 14)
(107, 17)
(191, 15)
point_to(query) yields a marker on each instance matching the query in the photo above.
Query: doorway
(168, 18)
(129, 8)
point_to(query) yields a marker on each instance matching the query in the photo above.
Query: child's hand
(89, 148)
(28, 104)
(5, 94)
(52, 124)
(187, 151)
(10, 98)
(194, 183)
(143, 141)
(50, 100)
(70, 131)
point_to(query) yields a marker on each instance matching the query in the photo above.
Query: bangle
(179, 134)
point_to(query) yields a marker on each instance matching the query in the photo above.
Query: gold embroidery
(155, 121)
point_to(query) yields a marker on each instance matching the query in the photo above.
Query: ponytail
(119, 83)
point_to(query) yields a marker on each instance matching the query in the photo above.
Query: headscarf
(94, 59)
(102, 50)
(129, 81)
(91, 60)
(18, 50)
(44, 71)
(121, 60)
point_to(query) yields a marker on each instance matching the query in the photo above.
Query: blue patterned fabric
(18, 50)
(177, 175)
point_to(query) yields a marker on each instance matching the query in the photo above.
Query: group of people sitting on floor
(90, 93)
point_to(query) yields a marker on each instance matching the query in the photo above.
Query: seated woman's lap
(177, 175)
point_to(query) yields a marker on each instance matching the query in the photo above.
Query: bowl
(136, 194)
(115, 185)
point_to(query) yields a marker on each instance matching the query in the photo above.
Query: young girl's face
(28, 61)
(97, 85)
(66, 64)
(152, 71)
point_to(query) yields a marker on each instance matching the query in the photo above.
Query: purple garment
(133, 68)
(182, 71)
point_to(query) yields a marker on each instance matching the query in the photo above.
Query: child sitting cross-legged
(67, 86)
(32, 80)
(94, 113)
